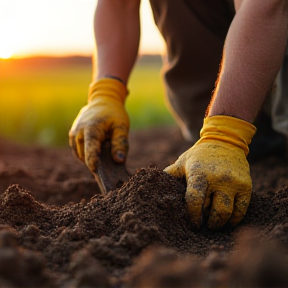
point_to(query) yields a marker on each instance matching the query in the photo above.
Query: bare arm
(117, 34)
(252, 57)
(218, 177)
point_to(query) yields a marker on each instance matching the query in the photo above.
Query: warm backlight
(5, 53)
(26, 28)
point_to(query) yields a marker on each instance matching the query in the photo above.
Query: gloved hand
(103, 118)
(217, 173)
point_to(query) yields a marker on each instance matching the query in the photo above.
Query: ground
(56, 230)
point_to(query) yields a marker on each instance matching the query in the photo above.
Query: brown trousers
(280, 100)
(194, 31)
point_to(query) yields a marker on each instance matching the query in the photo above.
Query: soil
(57, 230)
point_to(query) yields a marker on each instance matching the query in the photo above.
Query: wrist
(108, 87)
(228, 129)
(116, 78)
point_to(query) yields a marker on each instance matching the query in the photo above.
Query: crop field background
(40, 97)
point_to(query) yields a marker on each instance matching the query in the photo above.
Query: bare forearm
(117, 33)
(252, 57)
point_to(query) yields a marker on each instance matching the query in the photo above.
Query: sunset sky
(60, 28)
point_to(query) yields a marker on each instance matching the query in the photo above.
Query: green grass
(38, 103)
(146, 105)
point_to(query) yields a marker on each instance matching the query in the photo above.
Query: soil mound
(56, 230)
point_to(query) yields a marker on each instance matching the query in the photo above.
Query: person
(248, 45)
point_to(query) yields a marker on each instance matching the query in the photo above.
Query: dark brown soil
(56, 230)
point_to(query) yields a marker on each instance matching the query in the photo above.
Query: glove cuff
(108, 87)
(228, 129)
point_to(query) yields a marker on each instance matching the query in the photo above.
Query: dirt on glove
(57, 230)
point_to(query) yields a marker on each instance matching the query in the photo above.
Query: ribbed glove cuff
(228, 129)
(108, 87)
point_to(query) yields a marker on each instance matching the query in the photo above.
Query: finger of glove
(240, 208)
(76, 142)
(206, 208)
(119, 144)
(175, 170)
(72, 143)
(221, 210)
(195, 198)
(94, 137)
(80, 145)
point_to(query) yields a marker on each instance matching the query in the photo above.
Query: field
(40, 97)
(56, 230)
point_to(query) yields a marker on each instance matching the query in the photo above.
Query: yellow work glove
(103, 118)
(217, 173)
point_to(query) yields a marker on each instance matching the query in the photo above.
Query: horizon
(67, 56)
(28, 30)
(30, 59)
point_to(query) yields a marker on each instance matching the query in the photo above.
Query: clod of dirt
(161, 267)
(20, 267)
(18, 207)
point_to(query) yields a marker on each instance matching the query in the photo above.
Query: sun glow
(27, 28)
(5, 53)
